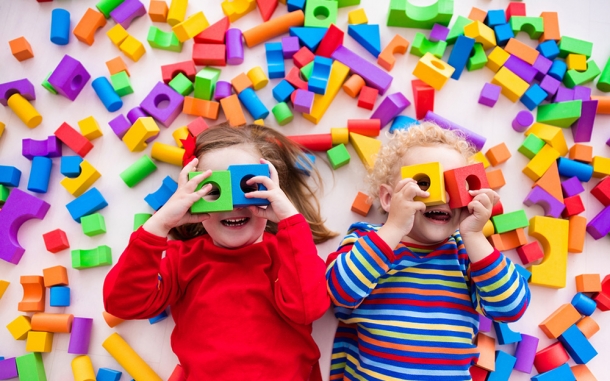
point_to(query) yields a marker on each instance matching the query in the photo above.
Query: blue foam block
(533, 97)
(70, 166)
(295, 5)
(577, 345)
(159, 197)
(319, 75)
(40, 174)
(9, 176)
(253, 104)
(503, 33)
(549, 49)
(241, 173)
(562, 373)
(505, 335)
(87, 203)
(571, 168)
(60, 296)
(504, 366)
(402, 122)
(159, 318)
(309, 36)
(366, 35)
(304, 163)
(282, 91)
(105, 374)
(584, 304)
(275, 60)
(558, 70)
(460, 54)
(523, 271)
(60, 26)
(495, 17)
(105, 92)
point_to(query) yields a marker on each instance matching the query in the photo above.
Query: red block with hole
(456, 180)
(530, 253)
(573, 205)
(209, 55)
(367, 97)
(294, 78)
(302, 57)
(56, 241)
(168, 72)
(423, 96)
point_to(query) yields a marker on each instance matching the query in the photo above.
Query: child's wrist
(156, 227)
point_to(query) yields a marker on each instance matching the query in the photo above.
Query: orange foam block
(361, 204)
(21, 49)
(560, 320)
(353, 85)
(498, 154)
(588, 326)
(398, 45)
(200, 107)
(588, 283)
(233, 111)
(581, 152)
(34, 294)
(55, 276)
(58, 323)
(495, 179)
(551, 182)
(487, 347)
(551, 28)
(91, 21)
(157, 11)
(509, 240)
(521, 50)
(111, 320)
(577, 233)
(552, 233)
(273, 28)
(117, 65)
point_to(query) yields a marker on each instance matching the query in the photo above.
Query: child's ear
(385, 197)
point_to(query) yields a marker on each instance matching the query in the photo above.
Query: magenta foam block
(524, 70)
(550, 85)
(564, 95)
(582, 129)
(525, 353)
(163, 103)
(223, 90)
(80, 336)
(489, 94)
(582, 92)
(303, 101)
(120, 125)
(69, 77)
(135, 113)
(390, 108)
(439, 33)
(599, 226)
(49, 147)
(235, 47)
(18, 208)
(542, 66)
(21, 86)
(475, 139)
(127, 11)
(372, 75)
(551, 206)
(572, 187)
(290, 46)
(484, 323)
(522, 121)
(8, 369)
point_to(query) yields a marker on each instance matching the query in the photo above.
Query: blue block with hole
(495, 17)
(282, 91)
(60, 296)
(105, 374)
(504, 32)
(9, 176)
(558, 70)
(70, 166)
(548, 49)
(158, 198)
(533, 97)
(240, 173)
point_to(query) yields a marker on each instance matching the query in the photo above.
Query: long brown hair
(283, 154)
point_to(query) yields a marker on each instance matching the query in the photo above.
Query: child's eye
(423, 183)
(213, 195)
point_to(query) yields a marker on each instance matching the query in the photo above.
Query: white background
(584, 19)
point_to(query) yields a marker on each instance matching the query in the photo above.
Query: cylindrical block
(40, 174)
(24, 110)
(488, 229)
(181, 133)
(273, 28)
(588, 326)
(550, 357)
(222, 90)
(522, 121)
(110, 319)
(339, 135)
(282, 113)
(129, 359)
(82, 369)
(571, 168)
(60, 26)
(315, 142)
(258, 78)
(475, 139)
(139, 219)
(135, 113)
(60, 296)
(366, 127)
(80, 336)
(353, 85)
(235, 47)
(525, 353)
(167, 154)
(253, 104)
(497, 209)
(104, 90)
(57, 323)
(138, 171)
(584, 304)
(604, 80)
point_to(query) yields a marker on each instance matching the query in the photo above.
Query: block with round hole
(429, 177)
(221, 181)
(455, 183)
(320, 13)
(240, 173)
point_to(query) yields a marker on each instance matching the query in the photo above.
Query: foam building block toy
(423, 98)
(59, 296)
(553, 236)
(84, 259)
(551, 206)
(505, 335)
(310, 38)
(432, 173)
(504, 366)
(55, 276)
(562, 372)
(93, 224)
(158, 198)
(167, 153)
(140, 132)
(365, 147)
(9, 176)
(543, 160)
(49, 147)
(433, 71)
(138, 171)
(402, 122)
(80, 336)
(366, 35)
(20, 327)
(69, 77)
(253, 104)
(159, 39)
(78, 185)
(34, 294)
(481, 33)
(163, 93)
(551, 182)
(550, 358)
(338, 156)
(89, 202)
(374, 76)
(234, 46)
(513, 87)
(486, 346)
(561, 114)
(275, 60)
(573, 186)
(583, 304)
(455, 180)
(8, 368)
(157, 11)
(319, 76)
(603, 298)
(525, 353)
(577, 345)
(3, 286)
(39, 341)
(405, 14)
(127, 11)
(239, 175)
(361, 204)
(530, 253)
(24, 110)
(338, 74)
(559, 321)
(588, 283)
(73, 139)
(22, 87)
(159, 318)
(571, 168)
(105, 374)
(478, 141)
(31, 367)
(82, 368)
(460, 54)
(21, 49)
(40, 174)
(398, 45)
(89, 127)
(122, 352)
(221, 180)
(390, 107)
(333, 38)
(56, 241)
(599, 226)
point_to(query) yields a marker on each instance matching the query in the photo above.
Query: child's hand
(479, 211)
(281, 207)
(176, 211)
(403, 208)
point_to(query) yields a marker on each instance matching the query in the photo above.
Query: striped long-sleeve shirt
(411, 313)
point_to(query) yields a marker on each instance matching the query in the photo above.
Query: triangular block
(266, 8)
(551, 182)
(365, 147)
(309, 37)
(366, 35)
(215, 33)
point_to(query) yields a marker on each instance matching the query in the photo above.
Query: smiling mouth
(233, 222)
(438, 215)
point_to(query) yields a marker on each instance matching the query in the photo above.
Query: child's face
(238, 227)
(431, 228)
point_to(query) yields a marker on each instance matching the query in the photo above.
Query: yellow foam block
(2, 125)
(541, 162)
(3, 286)
(39, 341)
(488, 229)
(78, 185)
(496, 59)
(132, 48)
(24, 110)
(357, 17)
(140, 131)
(90, 128)
(338, 73)
(117, 34)
(434, 174)
(258, 78)
(236, 9)
(601, 166)
(365, 147)
(480, 158)
(181, 133)
(259, 122)
(167, 154)
(433, 71)
(20, 327)
(339, 135)
(576, 62)
(129, 359)
(82, 369)
(551, 135)
(513, 87)
(176, 11)
(481, 34)
(190, 27)
(552, 233)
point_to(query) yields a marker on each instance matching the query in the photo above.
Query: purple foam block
(489, 94)
(390, 107)
(551, 206)
(572, 187)
(80, 336)
(522, 121)
(439, 33)
(550, 85)
(235, 47)
(127, 11)
(8, 369)
(373, 75)
(599, 226)
(582, 129)
(222, 90)
(524, 70)
(608, 142)
(49, 147)
(21, 86)
(564, 94)
(542, 66)
(303, 101)
(69, 77)
(582, 92)
(163, 103)
(120, 125)
(475, 139)
(484, 323)
(18, 208)
(136, 113)
(290, 46)
(525, 353)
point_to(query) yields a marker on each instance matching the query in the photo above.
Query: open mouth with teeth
(235, 222)
(438, 215)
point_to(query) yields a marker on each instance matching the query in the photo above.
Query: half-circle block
(34, 294)
(552, 207)
(19, 208)
(404, 14)
(85, 259)
(88, 176)
(386, 58)
(552, 233)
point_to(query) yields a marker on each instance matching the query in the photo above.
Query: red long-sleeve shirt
(240, 314)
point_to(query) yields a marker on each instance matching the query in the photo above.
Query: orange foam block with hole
(552, 233)
(21, 49)
(521, 50)
(34, 294)
(498, 154)
(91, 21)
(487, 352)
(398, 45)
(200, 107)
(588, 283)
(560, 320)
(361, 204)
(233, 111)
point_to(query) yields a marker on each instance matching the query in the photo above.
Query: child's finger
(184, 173)
(196, 218)
(207, 188)
(493, 195)
(259, 194)
(263, 180)
(272, 171)
(402, 183)
(192, 184)
(258, 212)
(484, 199)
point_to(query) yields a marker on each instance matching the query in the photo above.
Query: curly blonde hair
(425, 134)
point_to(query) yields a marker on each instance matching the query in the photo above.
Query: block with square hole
(430, 178)
(240, 174)
(220, 199)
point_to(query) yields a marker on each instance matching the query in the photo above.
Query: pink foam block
(80, 336)
(163, 103)
(69, 77)
(475, 139)
(390, 107)
(489, 94)
(525, 353)
(18, 208)
(572, 187)
(21, 86)
(551, 206)
(372, 75)
(582, 129)
(127, 11)
(522, 121)
(49, 147)
(599, 226)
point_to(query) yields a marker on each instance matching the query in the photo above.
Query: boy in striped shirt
(408, 293)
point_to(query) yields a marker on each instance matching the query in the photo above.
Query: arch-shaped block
(34, 294)
(407, 15)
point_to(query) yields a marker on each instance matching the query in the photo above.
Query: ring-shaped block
(455, 180)
(222, 181)
(433, 172)
(240, 173)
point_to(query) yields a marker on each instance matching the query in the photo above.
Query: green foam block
(533, 26)
(575, 78)
(338, 156)
(561, 114)
(510, 221)
(86, 259)
(221, 180)
(422, 45)
(407, 15)
(531, 146)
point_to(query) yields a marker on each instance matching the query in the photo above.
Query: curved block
(159, 39)
(129, 359)
(236, 9)
(552, 207)
(49, 147)
(19, 208)
(407, 15)
(398, 45)
(88, 176)
(167, 153)
(20, 86)
(550, 358)
(85, 259)
(127, 11)
(552, 234)
(159, 197)
(144, 128)
(34, 294)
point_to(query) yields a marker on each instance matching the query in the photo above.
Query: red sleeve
(142, 284)
(300, 287)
